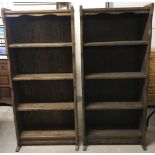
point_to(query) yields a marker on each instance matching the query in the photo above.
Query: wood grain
(114, 133)
(34, 45)
(113, 105)
(45, 106)
(116, 43)
(56, 76)
(9, 13)
(115, 10)
(116, 75)
(41, 135)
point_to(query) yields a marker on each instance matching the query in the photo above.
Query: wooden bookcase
(41, 50)
(115, 55)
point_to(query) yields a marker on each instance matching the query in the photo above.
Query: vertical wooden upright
(41, 49)
(115, 53)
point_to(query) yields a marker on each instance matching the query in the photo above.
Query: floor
(8, 139)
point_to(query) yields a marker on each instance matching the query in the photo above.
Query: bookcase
(115, 48)
(41, 52)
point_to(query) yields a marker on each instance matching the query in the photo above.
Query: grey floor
(8, 139)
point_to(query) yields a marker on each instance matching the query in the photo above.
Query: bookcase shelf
(113, 119)
(45, 106)
(115, 43)
(115, 47)
(37, 45)
(97, 59)
(48, 28)
(114, 105)
(59, 76)
(114, 133)
(116, 75)
(114, 136)
(46, 137)
(133, 23)
(33, 135)
(42, 62)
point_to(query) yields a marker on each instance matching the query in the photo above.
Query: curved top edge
(116, 9)
(9, 12)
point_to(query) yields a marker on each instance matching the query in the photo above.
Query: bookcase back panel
(113, 90)
(114, 27)
(42, 60)
(44, 120)
(113, 119)
(114, 59)
(45, 91)
(41, 29)
(5, 93)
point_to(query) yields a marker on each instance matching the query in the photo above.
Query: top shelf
(137, 10)
(116, 43)
(52, 76)
(9, 13)
(35, 45)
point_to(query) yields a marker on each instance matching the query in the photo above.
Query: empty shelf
(55, 76)
(116, 43)
(130, 133)
(116, 75)
(45, 106)
(47, 135)
(113, 105)
(35, 45)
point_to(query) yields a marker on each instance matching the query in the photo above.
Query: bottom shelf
(47, 137)
(130, 136)
(114, 133)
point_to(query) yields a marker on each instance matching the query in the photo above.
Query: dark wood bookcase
(115, 52)
(41, 50)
